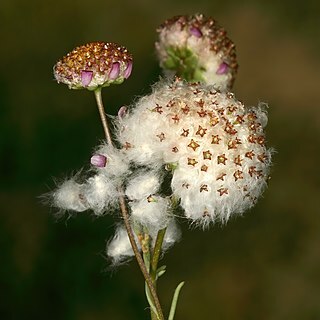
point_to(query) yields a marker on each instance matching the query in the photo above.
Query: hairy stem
(125, 213)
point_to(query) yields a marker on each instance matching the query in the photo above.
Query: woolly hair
(69, 196)
(119, 247)
(216, 144)
(97, 193)
(151, 212)
(117, 164)
(100, 193)
(143, 184)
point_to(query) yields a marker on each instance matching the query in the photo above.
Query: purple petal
(223, 68)
(86, 77)
(115, 71)
(122, 112)
(98, 160)
(195, 32)
(128, 70)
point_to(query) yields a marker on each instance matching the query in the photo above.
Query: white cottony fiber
(69, 196)
(151, 212)
(119, 248)
(100, 193)
(117, 164)
(143, 184)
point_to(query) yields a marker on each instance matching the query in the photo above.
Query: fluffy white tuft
(119, 247)
(69, 196)
(100, 193)
(117, 164)
(151, 212)
(144, 184)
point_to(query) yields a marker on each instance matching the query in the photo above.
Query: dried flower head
(197, 49)
(93, 65)
(213, 143)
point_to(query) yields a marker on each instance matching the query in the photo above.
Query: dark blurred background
(264, 265)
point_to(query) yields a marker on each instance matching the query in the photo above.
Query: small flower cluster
(96, 64)
(197, 49)
(198, 132)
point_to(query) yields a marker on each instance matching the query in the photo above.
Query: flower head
(93, 65)
(215, 145)
(197, 49)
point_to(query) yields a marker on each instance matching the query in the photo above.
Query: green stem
(125, 214)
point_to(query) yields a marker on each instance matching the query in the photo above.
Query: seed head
(93, 65)
(196, 48)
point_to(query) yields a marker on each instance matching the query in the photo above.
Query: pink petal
(122, 112)
(195, 32)
(115, 71)
(98, 160)
(223, 68)
(86, 77)
(128, 70)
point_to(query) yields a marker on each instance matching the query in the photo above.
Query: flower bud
(196, 48)
(96, 64)
(98, 160)
(122, 112)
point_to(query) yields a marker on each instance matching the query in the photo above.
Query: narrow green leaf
(161, 271)
(175, 300)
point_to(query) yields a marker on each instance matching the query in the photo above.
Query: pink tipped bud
(94, 65)
(122, 112)
(115, 71)
(127, 71)
(195, 32)
(86, 77)
(223, 68)
(98, 160)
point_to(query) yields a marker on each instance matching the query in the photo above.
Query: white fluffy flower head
(197, 49)
(216, 145)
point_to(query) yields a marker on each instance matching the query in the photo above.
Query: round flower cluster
(96, 64)
(214, 146)
(197, 49)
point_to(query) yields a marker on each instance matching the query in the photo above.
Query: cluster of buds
(196, 48)
(96, 64)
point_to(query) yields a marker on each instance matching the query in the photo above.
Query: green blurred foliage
(264, 265)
